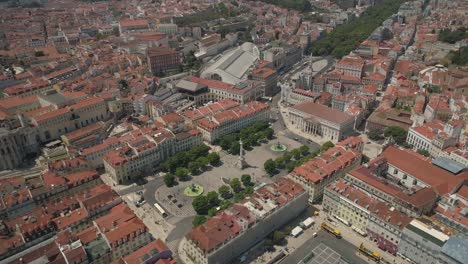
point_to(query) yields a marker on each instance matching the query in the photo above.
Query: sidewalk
(352, 237)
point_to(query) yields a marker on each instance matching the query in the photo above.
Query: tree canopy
(299, 5)
(345, 38)
(449, 36)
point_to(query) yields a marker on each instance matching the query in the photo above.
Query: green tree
(270, 167)
(199, 220)
(397, 133)
(236, 185)
(225, 204)
(225, 192)
(203, 161)
(246, 180)
(227, 141)
(248, 190)
(169, 179)
(235, 148)
(200, 205)
(269, 245)
(182, 174)
(194, 167)
(212, 212)
(375, 134)
(424, 152)
(364, 159)
(279, 162)
(269, 133)
(213, 158)
(290, 166)
(327, 145)
(296, 153)
(238, 197)
(287, 157)
(213, 198)
(278, 237)
(304, 150)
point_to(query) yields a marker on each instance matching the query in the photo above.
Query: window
(395, 171)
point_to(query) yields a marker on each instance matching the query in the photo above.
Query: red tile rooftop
(16, 101)
(148, 251)
(324, 112)
(117, 215)
(88, 235)
(212, 83)
(134, 23)
(111, 142)
(8, 243)
(160, 51)
(125, 230)
(423, 170)
(96, 127)
(306, 92)
(81, 177)
(263, 72)
(463, 192)
(50, 252)
(70, 219)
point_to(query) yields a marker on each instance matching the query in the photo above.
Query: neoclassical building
(317, 119)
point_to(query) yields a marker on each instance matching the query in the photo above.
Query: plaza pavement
(180, 205)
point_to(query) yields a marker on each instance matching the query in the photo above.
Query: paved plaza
(176, 203)
(325, 255)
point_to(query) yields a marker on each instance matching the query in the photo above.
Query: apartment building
(435, 136)
(202, 91)
(123, 232)
(314, 175)
(366, 214)
(144, 150)
(162, 59)
(53, 124)
(224, 237)
(406, 180)
(268, 78)
(351, 65)
(422, 242)
(215, 124)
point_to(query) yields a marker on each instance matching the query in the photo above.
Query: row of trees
(212, 13)
(213, 202)
(189, 162)
(459, 57)
(299, 5)
(345, 38)
(397, 133)
(449, 36)
(293, 158)
(251, 136)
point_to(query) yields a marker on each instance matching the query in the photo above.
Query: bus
(369, 253)
(160, 210)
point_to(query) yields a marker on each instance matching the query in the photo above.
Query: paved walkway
(178, 204)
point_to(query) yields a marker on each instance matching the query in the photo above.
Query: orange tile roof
(71, 218)
(88, 235)
(432, 175)
(16, 101)
(156, 246)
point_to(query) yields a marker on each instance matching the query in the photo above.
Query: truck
(369, 253)
(331, 230)
(307, 223)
